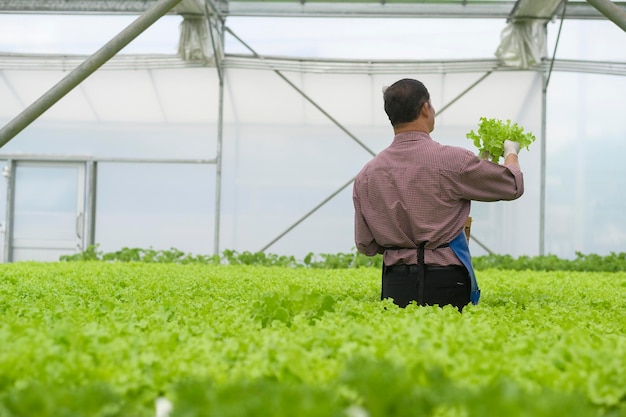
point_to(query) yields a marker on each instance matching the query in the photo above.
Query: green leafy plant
(612, 262)
(493, 132)
(105, 339)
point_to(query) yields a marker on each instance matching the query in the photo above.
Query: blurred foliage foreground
(106, 339)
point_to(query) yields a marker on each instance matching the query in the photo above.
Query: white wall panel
(261, 97)
(28, 86)
(190, 96)
(125, 96)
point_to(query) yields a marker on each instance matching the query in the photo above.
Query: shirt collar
(411, 135)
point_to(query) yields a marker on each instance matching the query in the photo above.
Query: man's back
(410, 194)
(412, 200)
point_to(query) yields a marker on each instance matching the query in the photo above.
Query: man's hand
(510, 147)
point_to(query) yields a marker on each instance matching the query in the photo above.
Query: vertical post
(542, 170)
(85, 69)
(218, 170)
(220, 126)
(91, 205)
(9, 173)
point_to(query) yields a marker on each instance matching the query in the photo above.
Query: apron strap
(421, 270)
(420, 273)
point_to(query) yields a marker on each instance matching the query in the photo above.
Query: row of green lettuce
(613, 262)
(106, 339)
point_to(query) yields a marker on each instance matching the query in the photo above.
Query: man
(412, 201)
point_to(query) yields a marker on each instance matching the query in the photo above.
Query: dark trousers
(441, 285)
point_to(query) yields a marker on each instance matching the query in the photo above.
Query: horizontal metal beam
(494, 9)
(75, 6)
(422, 67)
(17, 62)
(297, 8)
(336, 66)
(23, 157)
(122, 7)
(61, 62)
(423, 9)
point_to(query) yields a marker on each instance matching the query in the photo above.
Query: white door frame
(77, 244)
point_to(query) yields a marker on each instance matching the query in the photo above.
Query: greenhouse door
(47, 215)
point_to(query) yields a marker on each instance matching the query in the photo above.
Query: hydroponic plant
(492, 133)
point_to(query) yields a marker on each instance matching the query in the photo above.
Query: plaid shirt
(417, 190)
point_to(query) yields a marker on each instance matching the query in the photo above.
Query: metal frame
(10, 173)
(300, 8)
(212, 13)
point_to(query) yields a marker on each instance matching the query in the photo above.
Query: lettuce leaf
(493, 132)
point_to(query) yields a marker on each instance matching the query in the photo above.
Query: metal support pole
(313, 210)
(611, 11)
(481, 244)
(544, 137)
(92, 197)
(9, 173)
(219, 66)
(467, 90)
(542, 179)
(84, 70)
(218, 171)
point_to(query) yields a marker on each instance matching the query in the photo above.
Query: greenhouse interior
(206, 125)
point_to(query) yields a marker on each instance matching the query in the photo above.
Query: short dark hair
(404, 100)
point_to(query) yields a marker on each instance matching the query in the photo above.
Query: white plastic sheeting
(524, 39)
(523, 44)
(197, 40)
(123, 95)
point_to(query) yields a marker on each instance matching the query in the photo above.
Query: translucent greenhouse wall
(281, 155)
(290, 157)
(586, 175)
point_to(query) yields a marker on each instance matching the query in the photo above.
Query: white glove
(510, 147)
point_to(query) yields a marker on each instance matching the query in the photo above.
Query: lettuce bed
(105, 339)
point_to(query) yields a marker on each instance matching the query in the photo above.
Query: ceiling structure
(523, 43)
(514, 9)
